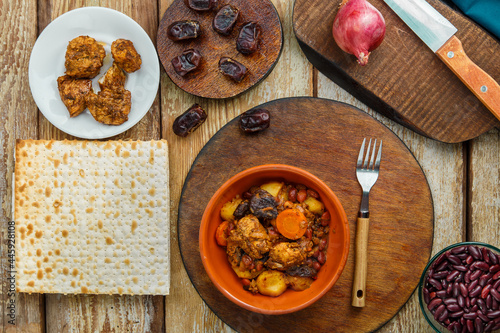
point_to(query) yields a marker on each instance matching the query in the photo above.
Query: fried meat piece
(125, 55)
(110, 107)
(113, 79)
(74, 93)
(285, 255)
(84, 57)
(250, 236)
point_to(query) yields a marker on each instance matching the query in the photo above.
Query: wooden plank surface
(464, 178)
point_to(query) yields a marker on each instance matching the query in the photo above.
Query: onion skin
(358, 28)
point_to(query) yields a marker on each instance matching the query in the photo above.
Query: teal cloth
(484, 12)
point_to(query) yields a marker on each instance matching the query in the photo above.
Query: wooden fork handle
(478, 81)
(360, 268)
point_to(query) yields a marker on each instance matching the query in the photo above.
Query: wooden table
(464, 178)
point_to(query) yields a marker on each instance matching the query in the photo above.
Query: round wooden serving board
(404, 79)
(207, 81)
(322, 137)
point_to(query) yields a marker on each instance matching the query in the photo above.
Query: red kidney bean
(454, 307)
(484, 279)
(474, 252)
(493, 258)
(463, 289)
(444, 317)
(442, 266)
(456, 290)
(486, 256)
(439, 311)
(493, 314)
(434, 303)
(322, 244)
(301, 196)
(452, 276)
(476, 291)
(460, 268)
(432, 295)
(470, 325)
(440, 275)
(470, 315)
(481, 265)
(325, 219)
(442, 294)
(494, 303)
(473, 301)
(475, 275)
(478, 325)
(313, 193)
(459, 249)
(292, 194)
(461, 301)
(496, 276)
(449, 288)
(485, 291)
(482, 316)
(489, 301)
(435, 283)
(469, 260)
(496, 284)
(482, 305)
(495, 294)
(467, 302)
(449, 301)
(454, 260)
(444, 283)
(317, 266)
(467, 276)
(321, 258)
(494, 268)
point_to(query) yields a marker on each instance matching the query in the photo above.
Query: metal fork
(367, 174)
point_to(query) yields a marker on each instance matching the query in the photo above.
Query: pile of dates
(462, 289)
(223, 23)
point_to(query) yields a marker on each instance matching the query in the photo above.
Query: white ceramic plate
(47, 64)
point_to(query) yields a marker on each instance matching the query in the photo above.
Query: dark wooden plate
(322, 137)
(207, 81)
(404, 80)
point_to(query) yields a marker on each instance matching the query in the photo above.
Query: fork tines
(365, 165)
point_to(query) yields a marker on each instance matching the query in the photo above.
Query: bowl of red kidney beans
(459, 290)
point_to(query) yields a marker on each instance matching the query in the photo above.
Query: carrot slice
(221, 234)
(291, 223)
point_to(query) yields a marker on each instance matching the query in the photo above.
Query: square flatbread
(92, 217)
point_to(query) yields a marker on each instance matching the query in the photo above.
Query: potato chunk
(272, 283)
(299, 283)
(315, 206)
(273, 188)
(227, 210)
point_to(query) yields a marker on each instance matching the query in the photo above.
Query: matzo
(92, 217)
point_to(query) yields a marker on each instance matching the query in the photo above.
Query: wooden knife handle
(478, 81)
(360, 268)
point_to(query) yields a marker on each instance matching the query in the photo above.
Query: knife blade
(439, 35)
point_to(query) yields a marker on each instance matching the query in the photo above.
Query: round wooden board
(322, 137)
(207, 81)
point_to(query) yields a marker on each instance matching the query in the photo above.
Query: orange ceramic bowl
(214, 256)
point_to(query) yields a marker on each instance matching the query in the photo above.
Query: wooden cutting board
(404, 80)
(322, 137)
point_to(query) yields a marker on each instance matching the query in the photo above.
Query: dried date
(182, 30)
(225, 19)
(188, 61)
(255, 120)
(248, 38)
(232, 69)
(189, 121)
(201, 5)
(263, 205)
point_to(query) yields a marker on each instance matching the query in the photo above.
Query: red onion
(358, 28)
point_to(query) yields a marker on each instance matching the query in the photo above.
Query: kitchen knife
(439, 35)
